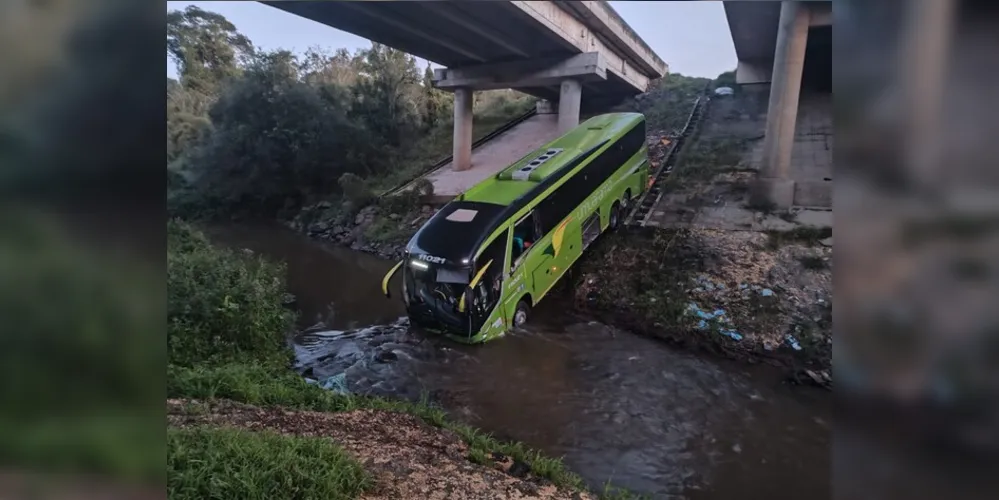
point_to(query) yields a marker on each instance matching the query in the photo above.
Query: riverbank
(237, 409)
(712, 273)
(727, 293)
(394, 454)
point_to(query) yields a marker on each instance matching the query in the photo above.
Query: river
(617, 406)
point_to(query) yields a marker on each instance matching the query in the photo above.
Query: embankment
(236, 410)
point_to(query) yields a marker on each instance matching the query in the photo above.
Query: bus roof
(518, 179)
(458, 230)
(454, 232)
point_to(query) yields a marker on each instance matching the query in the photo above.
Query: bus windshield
(436, 285)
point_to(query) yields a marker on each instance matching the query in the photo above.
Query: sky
(692, 37)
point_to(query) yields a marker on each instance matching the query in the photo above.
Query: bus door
(555, 258)
(537, 257)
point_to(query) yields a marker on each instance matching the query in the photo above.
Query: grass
(230, 463)
(223, 463)
(276, 387)
(648, 273)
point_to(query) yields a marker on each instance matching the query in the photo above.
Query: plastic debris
(766, 292)
(337, 383)
(732, 334)
(743, 286)
(718, 315)
(793, 342)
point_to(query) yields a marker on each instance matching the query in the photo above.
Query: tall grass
(230, 463)
(221, 305)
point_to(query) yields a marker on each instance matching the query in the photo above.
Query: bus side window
(524, 235)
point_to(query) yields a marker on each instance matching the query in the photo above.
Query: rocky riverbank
(379, 229)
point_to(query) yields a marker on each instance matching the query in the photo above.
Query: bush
(231, 463)
(221, 304)
(355, 190)
(423, 187)
(253, 383)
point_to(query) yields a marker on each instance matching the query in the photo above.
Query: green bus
(479, 265)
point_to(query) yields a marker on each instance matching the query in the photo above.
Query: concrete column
(774, 185)
(568, 105)
(462, 154)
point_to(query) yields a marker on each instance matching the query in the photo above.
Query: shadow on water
(332, 284)
(617, 406)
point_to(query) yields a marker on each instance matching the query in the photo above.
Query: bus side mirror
(388, 276)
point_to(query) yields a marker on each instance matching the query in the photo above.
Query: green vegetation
(650, 273)
(231, 463)
(667, 103)
(263, 134)
(221, 306)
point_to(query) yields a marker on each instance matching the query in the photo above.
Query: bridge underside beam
(547, 72)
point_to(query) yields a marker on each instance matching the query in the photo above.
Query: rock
(519, 469)
(386, 356)
(324, 204)
(319, 226)
(349, 353)
(394, 216)
(427, 210)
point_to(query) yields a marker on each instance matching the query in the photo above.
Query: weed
(611, 492)
(221, 304)
(231, 463)
(476, 455)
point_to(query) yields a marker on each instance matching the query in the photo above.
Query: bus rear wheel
(521, 314)
(615, 215)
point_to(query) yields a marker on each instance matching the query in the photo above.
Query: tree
(275, 143)
(206, 47)
(320, 67)
(387, 94)
(438, 106)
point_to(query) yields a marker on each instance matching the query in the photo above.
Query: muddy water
(617, 406)
(332, 284)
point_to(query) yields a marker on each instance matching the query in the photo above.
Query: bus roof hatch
(524, 173)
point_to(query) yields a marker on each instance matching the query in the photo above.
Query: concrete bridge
(785, 48)
(568, 53)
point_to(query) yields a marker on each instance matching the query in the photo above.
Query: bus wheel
(521, 314)
(615, 215)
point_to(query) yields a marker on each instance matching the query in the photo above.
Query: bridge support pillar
(570, 95)
(461, 158)
(774, 187)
